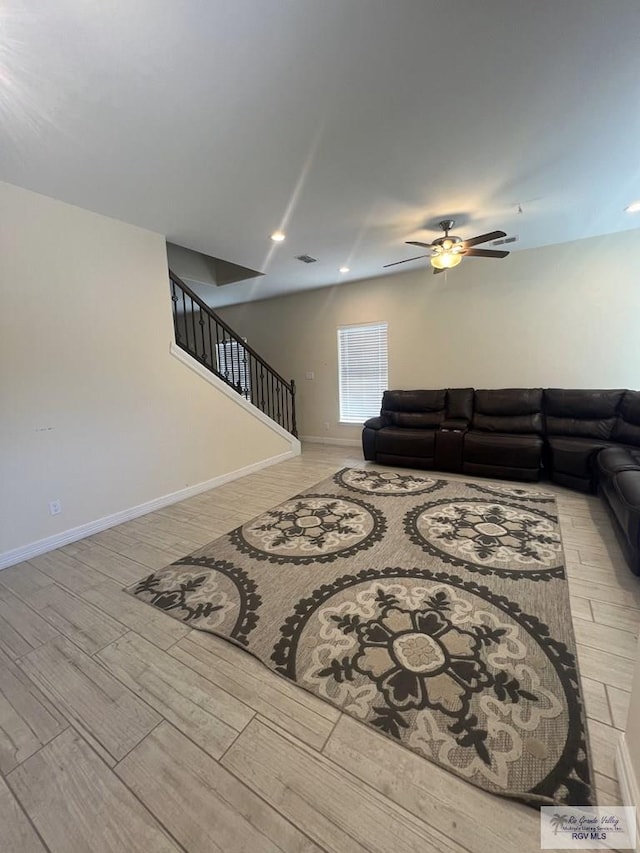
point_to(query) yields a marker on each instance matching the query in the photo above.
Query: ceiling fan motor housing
(448, 241)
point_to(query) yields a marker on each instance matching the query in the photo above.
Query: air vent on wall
(306, 259)
(504, 240)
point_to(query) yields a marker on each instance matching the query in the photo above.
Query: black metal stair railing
(208, 339)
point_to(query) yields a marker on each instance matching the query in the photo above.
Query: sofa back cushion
(515, 410)
(460, 404)
(627, 426)
(414, 409)
(581, 412)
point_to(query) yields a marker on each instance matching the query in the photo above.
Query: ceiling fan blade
(483, 238)
(485, 253)
(406, 260)
(416, 243)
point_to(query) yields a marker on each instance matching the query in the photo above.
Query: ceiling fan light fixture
(448, 251)
(446, 260)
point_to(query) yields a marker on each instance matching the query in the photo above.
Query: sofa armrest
(455, 424)
(374, 423)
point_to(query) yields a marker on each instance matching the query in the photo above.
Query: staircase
(207, 338)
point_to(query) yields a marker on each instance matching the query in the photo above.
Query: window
(232, 363)
(362, 371)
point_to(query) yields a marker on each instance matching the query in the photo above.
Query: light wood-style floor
(123, 730)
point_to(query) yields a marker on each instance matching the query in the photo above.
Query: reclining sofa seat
(579, 424)
(618, 475)
(505, 440)
(405, 433)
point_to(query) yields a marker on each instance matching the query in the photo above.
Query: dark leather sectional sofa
(583, 439)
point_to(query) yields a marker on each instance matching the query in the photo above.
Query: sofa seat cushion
(574, 456)
(502, 450)
(406, 442)
(611, 460)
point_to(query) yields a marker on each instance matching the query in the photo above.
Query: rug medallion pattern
(424, 617)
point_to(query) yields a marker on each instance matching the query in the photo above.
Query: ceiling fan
(448, 251)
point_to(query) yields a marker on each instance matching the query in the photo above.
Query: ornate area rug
(435, 611)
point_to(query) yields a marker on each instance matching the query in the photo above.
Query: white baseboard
(41, 546)
(629, 783)
(342, 442)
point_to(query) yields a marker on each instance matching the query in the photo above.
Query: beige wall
(94, 410)
(565, 315)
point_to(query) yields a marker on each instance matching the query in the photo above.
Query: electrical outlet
(55, 507)
(326, 426)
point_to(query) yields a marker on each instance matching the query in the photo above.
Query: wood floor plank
(67, 571)
(17, 834)
(80, 806)
(590, 520)
(432, 793)
(624, 618)
(28, 719)
(612, 551)
(86, 692)
(122, 569)
(158, 535)
(588, 537)
(184, 516)
(595, 699)
(203, 806)
(312, 792)
(622, 597)
(208, 715)
(151, 556)
(605, 798)
(604, 744)
(262, 673)
(149, 622)
(607, 791)
(150, 525)
(605, 667)
(620, 579)
(21, 628)
(24, 579)
(89, 628)
(619, 703)
(621, 643)
(305, 716)
(580, 607)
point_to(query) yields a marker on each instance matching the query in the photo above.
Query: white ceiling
(353, 125)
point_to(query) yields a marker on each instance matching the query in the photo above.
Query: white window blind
(362, 371)
(233, 365)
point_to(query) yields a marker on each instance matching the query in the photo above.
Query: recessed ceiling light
(277, 236)
(344, 269)
(634, 207)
